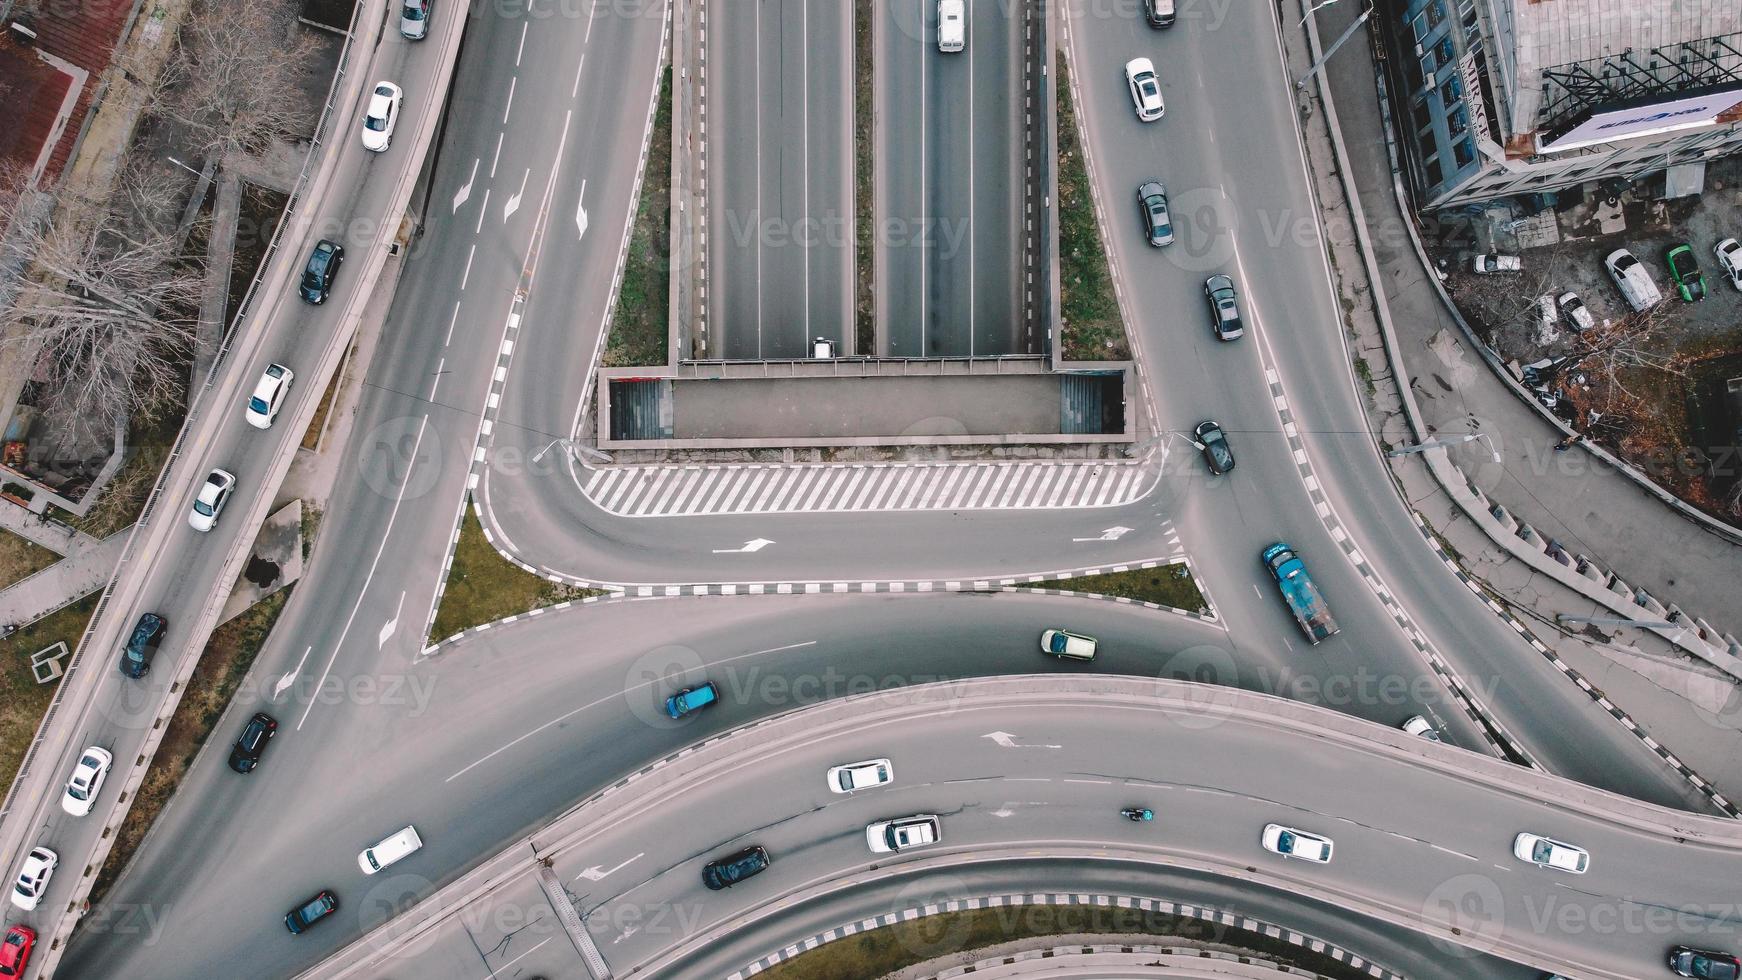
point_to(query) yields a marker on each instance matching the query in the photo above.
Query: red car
(15, 952)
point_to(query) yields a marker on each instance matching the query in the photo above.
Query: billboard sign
(1631, 121)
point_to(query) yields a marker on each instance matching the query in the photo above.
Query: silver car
(414, 19)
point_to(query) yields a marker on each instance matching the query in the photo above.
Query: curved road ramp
(1028, 791)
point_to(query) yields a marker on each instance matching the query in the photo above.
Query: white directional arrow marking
(513, 203)
(1113, 533)
(290, 678)
(464, 194)
(581, 212)
(1007, 740)
(391, 625)
(750, 547)
(595, 873)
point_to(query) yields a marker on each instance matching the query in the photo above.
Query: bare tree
(227, 80)
(99, 302)
(1620, 355)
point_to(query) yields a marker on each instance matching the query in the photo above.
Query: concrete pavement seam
(1204, 913)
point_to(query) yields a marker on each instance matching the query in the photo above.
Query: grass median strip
(1093, 329)
(883, 951)
(228, 656)
(639, 324)
(484, 587)
(1165, 585)
(865, 304)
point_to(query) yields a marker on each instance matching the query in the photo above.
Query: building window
(1419, 26)
(1433, 172)
(1451, 91)
(1423, 117)
(1471, 26)
(1436, 12)
(1457, 121)
(1464, 152)
(1444, 50)
(1427, 66)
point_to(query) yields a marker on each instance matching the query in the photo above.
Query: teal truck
(1298, 591)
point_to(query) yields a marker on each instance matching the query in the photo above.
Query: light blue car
(691, 699)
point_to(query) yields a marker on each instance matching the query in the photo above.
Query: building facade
(1496, 98)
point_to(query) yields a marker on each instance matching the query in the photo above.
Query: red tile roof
(83, 34)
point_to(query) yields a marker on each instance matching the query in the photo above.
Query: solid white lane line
(521, 48)
(433, 385)
(482, 207)
(468, 273)
(392, 516)
(575, 89)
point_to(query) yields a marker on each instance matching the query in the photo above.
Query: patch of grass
(1365, 372)
(311, 525)
(311, 438)
(22, 699)
(20, 559)
(865, 303)
(484, 587)
(883, 951)
(640, 322)
(225, 662)
(1093, 329)
(1167, 585)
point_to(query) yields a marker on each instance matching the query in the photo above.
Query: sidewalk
(1687, 707)
(81, 573)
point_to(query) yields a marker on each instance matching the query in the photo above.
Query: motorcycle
(1137, 814)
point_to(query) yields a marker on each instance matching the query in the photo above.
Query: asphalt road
(780, 170)
(948, 208)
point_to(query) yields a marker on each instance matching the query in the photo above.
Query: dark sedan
(1215, 447)
(245, 754)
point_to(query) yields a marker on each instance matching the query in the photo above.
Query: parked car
(1152, 211)
(87, 781)
(323, 265)
(209, 501)
(33, 877)
(268, 396)
(903, 833)
(1067, 645)
(735, 868)
(1417, 725)
(381, 116)
(414, 19)
(1547, 853)
(245, 754)
(142, 645)
(1292, 843)
(310, 912)
(1145, 89)
(1215, 447)
(1705, 964)
(1224, 307)
(1729, 252)
(1574, 311)
(1495, 262)
(1685, 270)
(691, 699)
(15, 950)
(952, 25)
(390, 849)
(1632, 279)
(860, 775)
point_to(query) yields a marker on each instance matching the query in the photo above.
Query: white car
(1546, 853)
(33, 878)
(952, 25)
(209, 502)
(860, 775)
(381, 116)
(1145, 89)
(268, 395)
(1495, 262)
(1421, 727)
(87, 781)
(413, 19)
(1575, 312)
(1064, 643)
(903, 833)
(1292, 843)
(391, 849)
(1729, 252)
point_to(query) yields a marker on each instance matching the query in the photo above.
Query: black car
(1224, 308)
(245, 754)
(733, 868)
(1704, 964)
(323, 265)
(1152, 211)
(1215, 446)
(142, 645)
(311, 912)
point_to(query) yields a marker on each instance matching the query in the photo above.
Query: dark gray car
(1224, 308)
(1152, 209)
(1215, 446)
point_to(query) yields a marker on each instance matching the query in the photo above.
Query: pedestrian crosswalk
(687, 491)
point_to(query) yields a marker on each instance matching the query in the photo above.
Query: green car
(1685, 270)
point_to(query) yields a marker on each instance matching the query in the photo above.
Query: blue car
(691, 699)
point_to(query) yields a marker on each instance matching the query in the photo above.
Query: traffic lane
(903, 234)
(830, 150)
(950, 117)
(999, 166)
(544, 728)
(734, 185)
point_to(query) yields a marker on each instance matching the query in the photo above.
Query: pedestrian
(1569, 442)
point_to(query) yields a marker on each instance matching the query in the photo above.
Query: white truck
(952, 25)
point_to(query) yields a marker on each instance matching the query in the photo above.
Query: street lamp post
(1315, 8)
(1447, 441)
(1314, 70)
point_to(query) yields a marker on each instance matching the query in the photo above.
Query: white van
(392, 849)
(1633, 279)
(1159, 13)
(952, 25)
